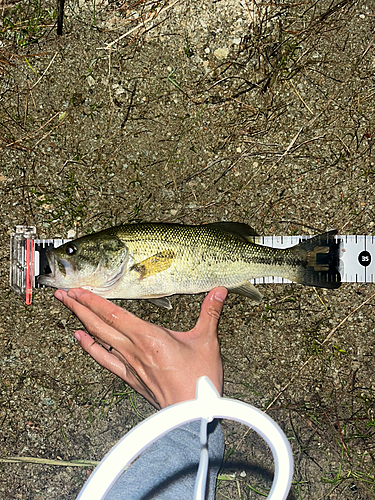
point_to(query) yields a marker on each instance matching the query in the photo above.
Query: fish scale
(229, 256)
(203, 251)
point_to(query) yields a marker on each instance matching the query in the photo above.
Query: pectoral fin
(248, 290)
(154, 265)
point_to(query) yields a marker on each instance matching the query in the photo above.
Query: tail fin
(321, 261)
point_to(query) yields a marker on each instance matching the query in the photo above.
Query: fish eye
(71, 249)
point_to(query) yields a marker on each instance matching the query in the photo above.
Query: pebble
(221, 53)
(90, 80)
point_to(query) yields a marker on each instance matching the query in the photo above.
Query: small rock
(90, 80)
(48, 401)
(221, 53)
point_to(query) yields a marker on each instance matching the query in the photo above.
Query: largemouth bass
(153, 260)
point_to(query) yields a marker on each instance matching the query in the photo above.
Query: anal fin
(161, 302)
(247, 290)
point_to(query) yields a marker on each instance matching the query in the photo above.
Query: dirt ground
(191, 112)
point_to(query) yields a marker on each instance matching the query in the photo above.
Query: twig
(47, 134)
(109, 78)
(140, 25)
(231, 166)
(46, 461)
(329, 336)
(291, 144)
(299, 96)
(26, 103)
(130, 105)
(45, 71)
(339, 90)
(340, 432)
(320, 299)
(32, 135)
(60, 16)
(222, 194)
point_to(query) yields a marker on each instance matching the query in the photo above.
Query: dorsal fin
(239, 229)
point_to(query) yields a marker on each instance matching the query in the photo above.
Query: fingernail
(221, 294)
(58, 295)
(77, 336)
(72, 295)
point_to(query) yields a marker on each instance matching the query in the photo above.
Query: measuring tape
(357, 252)
(28, 258)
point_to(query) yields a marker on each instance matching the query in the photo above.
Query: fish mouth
(60, 269)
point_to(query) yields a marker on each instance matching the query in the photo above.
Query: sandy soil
(192, 112)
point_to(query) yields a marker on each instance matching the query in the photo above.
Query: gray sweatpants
(167, 469)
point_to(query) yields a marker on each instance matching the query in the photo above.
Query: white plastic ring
(208, 405)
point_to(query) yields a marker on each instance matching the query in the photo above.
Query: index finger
(83, 303)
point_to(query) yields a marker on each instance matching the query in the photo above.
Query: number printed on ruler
(357, 258)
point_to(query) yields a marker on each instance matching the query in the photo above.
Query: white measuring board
(28, 258)
(358, 258)
(357, 255)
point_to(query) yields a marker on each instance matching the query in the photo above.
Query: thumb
(211, 310)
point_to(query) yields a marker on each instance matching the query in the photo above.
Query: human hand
(161, 364)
